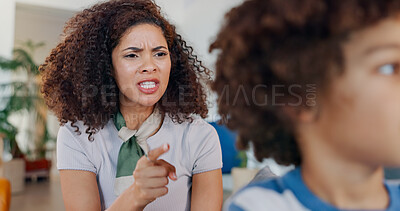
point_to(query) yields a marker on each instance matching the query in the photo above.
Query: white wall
(40, 24)
(73, 5)
(173, 10)
(202, 21)
(7, 13)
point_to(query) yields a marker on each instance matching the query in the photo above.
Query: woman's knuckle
(151, 154)
(141, 161)
(166, 181)
(139, 183)
(144, 195)
(163, 171)
(136, 174)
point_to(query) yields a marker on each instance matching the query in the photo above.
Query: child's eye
(131, 55)
(389, 69)
(160, 54)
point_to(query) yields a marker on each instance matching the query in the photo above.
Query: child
(314, 83)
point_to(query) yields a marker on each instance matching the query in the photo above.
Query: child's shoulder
(270, 194)
(393, 188)
(289, 193)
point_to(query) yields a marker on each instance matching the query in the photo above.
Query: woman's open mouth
(148, 86)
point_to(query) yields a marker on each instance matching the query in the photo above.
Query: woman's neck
(344, 183)
(134, 116)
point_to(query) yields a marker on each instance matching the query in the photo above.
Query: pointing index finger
(157, 152)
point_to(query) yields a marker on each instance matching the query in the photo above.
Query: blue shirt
(290, 193)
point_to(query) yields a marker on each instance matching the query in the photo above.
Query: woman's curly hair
(273, 53)
(77, 75)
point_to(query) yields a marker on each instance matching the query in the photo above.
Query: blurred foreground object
(5, 187)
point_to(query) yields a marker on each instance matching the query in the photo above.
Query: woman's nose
(148, 66)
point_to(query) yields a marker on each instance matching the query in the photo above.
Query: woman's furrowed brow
(159, 48)
(136, 49)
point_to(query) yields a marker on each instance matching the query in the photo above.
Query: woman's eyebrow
(136, 49)
(159, 47)
(391, 46)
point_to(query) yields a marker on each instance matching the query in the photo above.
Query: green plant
(23, 95)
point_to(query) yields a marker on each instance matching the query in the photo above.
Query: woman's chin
(148, 104)
(149, 100)
(145, 101)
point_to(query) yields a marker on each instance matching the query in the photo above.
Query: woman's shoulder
(194, 121)
(77, 130)
(194, 126)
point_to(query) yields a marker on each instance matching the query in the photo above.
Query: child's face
(361, 116)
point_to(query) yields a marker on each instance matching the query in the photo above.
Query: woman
(126, 89)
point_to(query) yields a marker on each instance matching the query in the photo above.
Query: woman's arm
(207, 191)
(80, 191)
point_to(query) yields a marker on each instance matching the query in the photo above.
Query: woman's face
(142, 65)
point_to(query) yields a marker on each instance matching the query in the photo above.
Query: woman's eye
(131, 55)
(389, 69)
(161, 54)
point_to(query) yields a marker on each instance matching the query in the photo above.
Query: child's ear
(301, 114)
(307, 115)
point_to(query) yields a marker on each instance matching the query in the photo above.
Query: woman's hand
(151, 177)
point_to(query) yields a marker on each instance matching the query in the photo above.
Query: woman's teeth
(148, 85)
